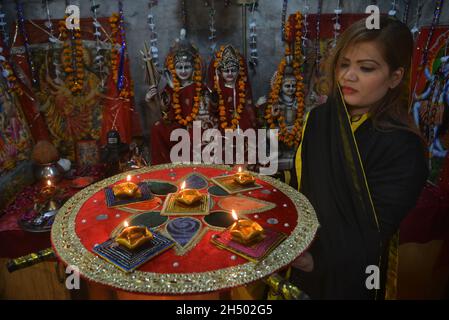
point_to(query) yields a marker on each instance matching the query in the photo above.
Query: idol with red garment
(182, 96)
(231, 90)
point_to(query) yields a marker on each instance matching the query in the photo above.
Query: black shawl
(361, 185)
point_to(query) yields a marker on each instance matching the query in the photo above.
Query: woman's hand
(304, 262)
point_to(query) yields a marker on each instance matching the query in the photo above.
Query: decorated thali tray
(188, 261)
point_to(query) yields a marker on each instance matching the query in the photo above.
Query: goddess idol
(284, 110)
(231, 90)
(181, 97)
(284, 107)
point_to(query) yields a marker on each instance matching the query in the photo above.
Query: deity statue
(284, 110)
(181, 97)
(70, 117)
(231, 90)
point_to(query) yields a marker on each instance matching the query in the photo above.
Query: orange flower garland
(177, 87)
(293, 137)
(72, 58)
(114, 20)
(241, 94)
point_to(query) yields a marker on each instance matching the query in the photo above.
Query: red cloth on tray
(205, 256)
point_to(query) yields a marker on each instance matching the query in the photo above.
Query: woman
(361, 163)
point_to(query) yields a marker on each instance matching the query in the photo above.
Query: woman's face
(364, 76)
(184, 70)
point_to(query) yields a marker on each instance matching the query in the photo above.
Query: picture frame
(87, 153)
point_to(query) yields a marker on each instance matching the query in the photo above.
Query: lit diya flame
(244, 178)
(245, 231)
(188, 196)
(235, 216)
(125, 225)
(134, 236)
(127, 190)
(125, 230)
(48, 190)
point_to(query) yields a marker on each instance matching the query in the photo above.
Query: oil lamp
(245, 231)
(244, 178)
(48, 190)
(133, 237)
(127, 189)
(188, 196)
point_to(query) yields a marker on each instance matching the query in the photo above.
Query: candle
(128, 178)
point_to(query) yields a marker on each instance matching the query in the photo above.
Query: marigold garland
(197, 78)
(293, 137)
(72, 58)
(113, 20)
(241, 94)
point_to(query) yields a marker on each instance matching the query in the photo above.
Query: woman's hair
(396, 46)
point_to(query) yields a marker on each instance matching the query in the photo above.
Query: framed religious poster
(87, 153)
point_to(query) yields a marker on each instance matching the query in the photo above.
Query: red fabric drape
(120, 112)
(117, 109)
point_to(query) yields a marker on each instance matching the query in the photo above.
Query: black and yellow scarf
(331, 174)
